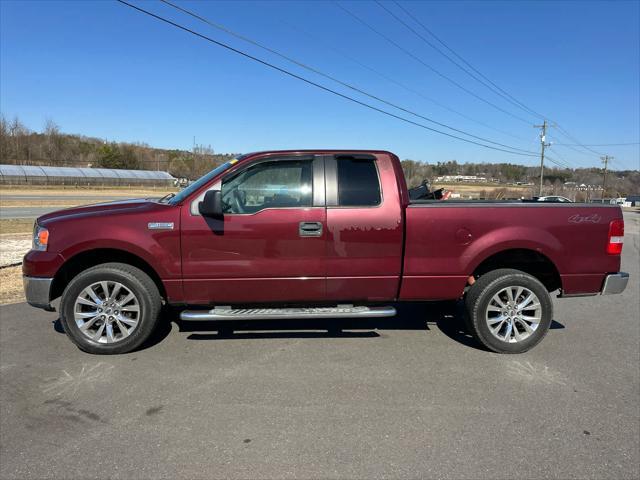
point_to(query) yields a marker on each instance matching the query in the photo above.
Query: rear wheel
(110, 308)
(509, 311)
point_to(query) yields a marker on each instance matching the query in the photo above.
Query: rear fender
(509, 238)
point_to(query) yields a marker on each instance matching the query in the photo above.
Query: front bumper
(615, 283)
(36, 290)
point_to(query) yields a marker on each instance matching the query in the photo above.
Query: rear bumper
(615, 283)
(36, 290)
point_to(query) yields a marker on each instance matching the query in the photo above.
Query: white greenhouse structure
(34, 175)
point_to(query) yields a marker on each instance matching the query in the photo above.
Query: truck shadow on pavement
(409, 317)
(448, 317)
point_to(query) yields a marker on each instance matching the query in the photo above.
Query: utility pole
(605, 160)
(543, 137)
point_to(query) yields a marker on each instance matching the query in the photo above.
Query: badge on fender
(160, 225)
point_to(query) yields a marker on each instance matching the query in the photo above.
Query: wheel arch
(90, 258)
(527, 260)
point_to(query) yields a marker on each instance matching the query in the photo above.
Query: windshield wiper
(167, 197)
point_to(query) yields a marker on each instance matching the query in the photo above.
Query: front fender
(129, 231)
(156, 254)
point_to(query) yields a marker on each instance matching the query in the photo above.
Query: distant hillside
(20, 145)
(556, 180)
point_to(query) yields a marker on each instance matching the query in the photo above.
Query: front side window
(276, 184)
(358, 184)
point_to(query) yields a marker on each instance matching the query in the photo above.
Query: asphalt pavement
(78, 198)
(26, 212)
(407, 397)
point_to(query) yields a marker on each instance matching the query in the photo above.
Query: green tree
(109, 156)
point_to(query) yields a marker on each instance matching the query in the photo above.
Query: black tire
(477, 302)
(134, 280)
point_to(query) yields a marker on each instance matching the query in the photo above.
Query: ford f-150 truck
(308, 234)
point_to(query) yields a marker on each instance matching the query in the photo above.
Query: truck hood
(99, 209)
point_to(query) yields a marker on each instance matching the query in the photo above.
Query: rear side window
(358, 184)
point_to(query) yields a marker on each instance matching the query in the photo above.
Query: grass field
(15, 225)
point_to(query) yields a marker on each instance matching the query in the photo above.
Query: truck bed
(446, 241)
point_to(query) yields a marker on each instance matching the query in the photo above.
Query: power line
(310, 82)
(522, 105)
(573, 148)
(570, 147)
(572, 138)
(557, 162)
(566, 162)
(426, 65)
(330, 77)
(561, 162)
(599, 144)
(448, 57)
(399, 84)
(572, 163)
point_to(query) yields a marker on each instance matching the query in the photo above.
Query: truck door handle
(310, 229)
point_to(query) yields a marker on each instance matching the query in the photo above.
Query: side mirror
(211, 205)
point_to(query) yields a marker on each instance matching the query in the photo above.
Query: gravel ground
(13, 247)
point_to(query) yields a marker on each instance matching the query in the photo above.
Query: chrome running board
(341, 311)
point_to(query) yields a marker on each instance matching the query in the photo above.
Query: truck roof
(318, 150)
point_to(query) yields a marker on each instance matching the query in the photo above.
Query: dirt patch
(10, 226)
(11, 290)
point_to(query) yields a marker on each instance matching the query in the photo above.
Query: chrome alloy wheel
(107, 312)
(513, 314)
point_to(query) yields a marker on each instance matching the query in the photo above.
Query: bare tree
(4, 139)
(17, 132)
(52, 134)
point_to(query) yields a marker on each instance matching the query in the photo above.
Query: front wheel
(110, 308)
(509, 311)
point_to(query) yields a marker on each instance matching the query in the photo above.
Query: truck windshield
(184, 193)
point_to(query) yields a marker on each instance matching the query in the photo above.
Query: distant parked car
(632, 201)
(554, 198)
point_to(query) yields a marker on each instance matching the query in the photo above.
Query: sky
(102, 69)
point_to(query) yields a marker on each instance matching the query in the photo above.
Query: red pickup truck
(308, 234)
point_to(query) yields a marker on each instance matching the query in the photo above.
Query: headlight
(40, 238)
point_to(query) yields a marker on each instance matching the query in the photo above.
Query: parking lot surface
(405, 397)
